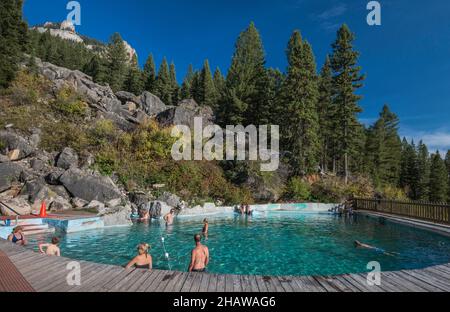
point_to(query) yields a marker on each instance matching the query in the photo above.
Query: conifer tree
(118, 62)
(196, 86)
(219, 82)
(175, 89)
(247, 68)
(299, 96)
(347, 80)
(438, 179)
(163, 87)
(207, 90)
(134, 82)
(447, 164)
(13, 39)
(186, 87)
(149, 74)
(327, 121)
(96, 68)
(408, 169)
(423, 173)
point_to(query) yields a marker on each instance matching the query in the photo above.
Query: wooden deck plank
(86, 270)
(204, 283)
(220, 283)
(176, 280)
(156, 282)
(11, 279)
(326, 283)
(444, 284)
(124, 284)
(306, 284)
(94, 280)
(401, 282)
(212, 285)
(261, 284)
(286, 283)
(420, 282)
(148, 281)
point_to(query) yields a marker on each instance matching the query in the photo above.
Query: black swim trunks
(199, 271)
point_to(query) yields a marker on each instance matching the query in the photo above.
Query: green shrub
(105, 163)
(2, 145)
(69, 103)
(298, 190)
(390, 192)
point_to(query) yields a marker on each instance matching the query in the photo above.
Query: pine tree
(134, 82)
(163, 87)
(299, 96)
(207, 89)
(247, 68)
(118, 62)
(196, 86)
(175, 89)
(96, 68)
(149, 74)
(13, 39)
(186, 87)
(327, 121)
(347, 80)
(423, 173)
(408, 169)
(438, 179)
(384, 149)
(219, 82)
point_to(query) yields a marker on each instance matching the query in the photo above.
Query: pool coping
(106, 278)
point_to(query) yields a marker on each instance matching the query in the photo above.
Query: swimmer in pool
(358, 244)
(169, 217)
(51, 249)
(199, 257)
(143, 260)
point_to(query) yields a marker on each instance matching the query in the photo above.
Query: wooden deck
(49, 274)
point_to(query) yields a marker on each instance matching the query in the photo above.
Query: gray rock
(13, 141)
(170, 199)
(67, 159)
(4, 158)
(9, 174)
(53, 177)
(117, 216)
(60, 204)
(37, 164)
(89, 187)
(36, 190)
(184, 114)
(125, 97)
(114, 203)
(95, 204)
(139, 198)
(79, 203)
(151, 104)
(19, 204)
(60, 190)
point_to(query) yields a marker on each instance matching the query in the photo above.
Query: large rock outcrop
(89, 187)
(184, 114)
(9, 174)
(12, 142)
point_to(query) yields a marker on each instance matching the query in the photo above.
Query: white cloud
(335, 11)
(435, 140)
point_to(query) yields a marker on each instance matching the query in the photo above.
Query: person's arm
(150, 266)
(207, 257)
(42, 246)
(191, 265)
(24, 240)
(10, 237)
(131, 263)
(58, 252)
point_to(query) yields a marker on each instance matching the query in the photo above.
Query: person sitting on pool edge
(143, 260)
(17, 237)
(199, 257)
(51, 249)
(205, 228)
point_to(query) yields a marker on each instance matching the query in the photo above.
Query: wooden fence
(433, 212)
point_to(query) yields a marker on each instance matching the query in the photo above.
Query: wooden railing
(433, 212)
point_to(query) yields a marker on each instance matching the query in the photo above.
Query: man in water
(51, 249)
(205, 228)
(200, 256)
(169, 217)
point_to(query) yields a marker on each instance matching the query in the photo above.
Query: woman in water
(143, 260)
(17, 237)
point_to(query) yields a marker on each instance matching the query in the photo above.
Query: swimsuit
(199, 270)
(15, 240)
(145, 266)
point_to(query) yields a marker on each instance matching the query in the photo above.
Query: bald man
(199, 257)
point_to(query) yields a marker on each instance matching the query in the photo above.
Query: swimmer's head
(143, 248)
(205, 221)
(357, 243)
(197, 238)
(17, 229)
(55, 240)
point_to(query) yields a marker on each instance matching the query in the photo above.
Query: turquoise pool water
(275, 243)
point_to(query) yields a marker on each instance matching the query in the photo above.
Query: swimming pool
(273, 243)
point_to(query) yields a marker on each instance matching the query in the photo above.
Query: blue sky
(406, 59)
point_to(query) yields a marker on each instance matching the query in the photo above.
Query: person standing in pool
(17, 237)
(205, 229)
(143, 260)
(51, 249)
(169, 217)
(199, 257)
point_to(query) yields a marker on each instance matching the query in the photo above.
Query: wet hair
(205, 221)
(197, 238)
(55, 240)
(17, 229)
(144, 247)
(357, 243)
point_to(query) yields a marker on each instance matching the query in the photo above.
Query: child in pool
(51, 249)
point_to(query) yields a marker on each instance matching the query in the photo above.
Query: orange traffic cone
(43, 212)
